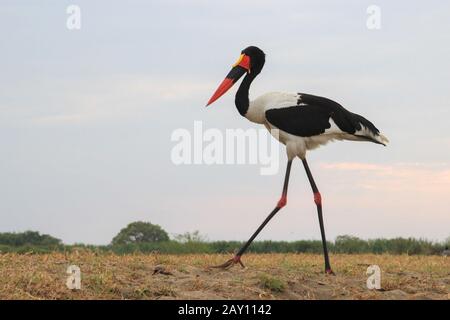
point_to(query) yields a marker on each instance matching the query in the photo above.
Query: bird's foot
(230, 263)
(330, 272)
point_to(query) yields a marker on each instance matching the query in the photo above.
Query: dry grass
(267, 276)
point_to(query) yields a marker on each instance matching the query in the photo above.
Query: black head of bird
(251, 61)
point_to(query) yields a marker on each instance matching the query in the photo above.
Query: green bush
(28, 238)
(157, 240)
(140, 232)
(350, 244)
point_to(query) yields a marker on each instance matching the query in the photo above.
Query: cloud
(58, 119)
(72, 101)
(431, 178)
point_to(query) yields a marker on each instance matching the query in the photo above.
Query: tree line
(144, 237)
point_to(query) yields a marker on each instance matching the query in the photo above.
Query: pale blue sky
(86, 116)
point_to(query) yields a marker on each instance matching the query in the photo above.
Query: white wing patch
(364, 132)
(257, 108)
(367, 133)
(278, 100)
(334, 129)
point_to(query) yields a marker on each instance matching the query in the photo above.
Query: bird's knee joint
(282, 202)
(317, 198)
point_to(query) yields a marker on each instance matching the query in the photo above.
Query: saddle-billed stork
(303, 122)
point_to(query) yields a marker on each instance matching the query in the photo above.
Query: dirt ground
(266, 276)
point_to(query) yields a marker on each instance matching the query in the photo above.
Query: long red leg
(281, 203)
(318, 201)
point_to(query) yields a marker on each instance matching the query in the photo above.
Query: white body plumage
(298, 145)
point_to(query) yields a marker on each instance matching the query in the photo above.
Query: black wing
(311, 117)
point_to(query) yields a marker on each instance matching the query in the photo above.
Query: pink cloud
(418, 177)
(363, 199)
